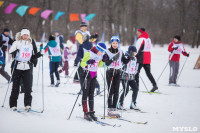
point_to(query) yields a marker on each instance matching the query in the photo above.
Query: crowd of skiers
(120, 66)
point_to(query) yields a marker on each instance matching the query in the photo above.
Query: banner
(45, 14)
(9, 8)
(74, 17)
(58, 15)
(33, 10)
(90, 16)
(1, 3)
(83, 17)
(21, 10)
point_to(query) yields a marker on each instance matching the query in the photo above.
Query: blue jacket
(86, 45)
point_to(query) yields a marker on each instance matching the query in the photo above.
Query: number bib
(131, 67)
(25, 53)
(180, 48)
(147, 46)
(94, 66)
(55, 51)
(4, 38)
(115, 64)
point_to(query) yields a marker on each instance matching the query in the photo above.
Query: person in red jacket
(143, 45)
(175, 48)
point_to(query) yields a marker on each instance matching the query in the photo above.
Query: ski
(140, 111)
(122, 119)
(100, 122)
(153, 92)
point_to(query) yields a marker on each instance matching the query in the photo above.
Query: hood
(144, 35)
(52, 43)
(18, 37)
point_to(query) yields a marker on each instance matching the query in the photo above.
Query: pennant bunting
(1, 3)
(74, 17)
(83, 17)
(9, 8)
(33, 10)
(90, 16)
(45, 14)
(58, 15)
(21, 10)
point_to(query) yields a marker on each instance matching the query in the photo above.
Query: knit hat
(132, 48)
(25, 31)
(101, 47)
(51, 37)
(177, 37)
(141, 30)
(83, 24)
(115, 38)
(6, 30)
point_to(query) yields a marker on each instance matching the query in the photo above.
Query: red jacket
(175, 54)
(143, 46)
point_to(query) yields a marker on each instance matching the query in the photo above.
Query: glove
(42, 51)
(188, 55)
(105, 57)
(116, 57)
(75, 64)
(91, 61)
(3, 42)
(175, 48)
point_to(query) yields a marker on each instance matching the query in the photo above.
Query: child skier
(55, 58)
(175, 48)
(22, 68)
(65, 58)
(115, 58)
(128, 79)
(2, 63)
(90, 62)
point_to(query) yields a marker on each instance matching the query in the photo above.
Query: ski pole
(144, 85)
(76, 68)
(181, 69)
(104, 92)
(42, 86)
(9, 84)
(162, 71)
(78, 96)
(38, 72)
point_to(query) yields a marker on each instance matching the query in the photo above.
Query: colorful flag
(74, 17)
(58, 15)
(21, 10)
(45, 14)
(33, 10)
(9, 8)
(90, 16)
(1, 3)
(83, 17)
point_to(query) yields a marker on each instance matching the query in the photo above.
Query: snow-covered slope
(178, 108)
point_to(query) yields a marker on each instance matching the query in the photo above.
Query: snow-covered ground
(179, 108)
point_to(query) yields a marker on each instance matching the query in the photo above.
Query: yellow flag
(1, 3)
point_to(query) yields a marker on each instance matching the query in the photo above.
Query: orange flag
(74, 17)
(1, 3)
(33, 10)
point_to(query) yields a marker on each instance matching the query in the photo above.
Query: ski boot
(87, 116)
(120, 106)
(27, 108)
(98, 91)
(92, 115)
(133, 106)
(154, 88)
(13, 108)
(113, 113)
(58, 83)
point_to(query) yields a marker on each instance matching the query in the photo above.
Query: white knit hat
(25, 31)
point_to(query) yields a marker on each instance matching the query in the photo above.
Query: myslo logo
(184, 129)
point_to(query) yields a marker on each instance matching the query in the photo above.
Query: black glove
(175, 48)
(91, 61)
(3, 42)
(116, 57)
(188, 55)
(75, 64)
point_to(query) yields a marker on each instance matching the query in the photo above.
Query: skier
(90, 62)
(2, 63)
(60, 40)
(175, 48)
(55, 57)
(65, 58)
(5, 41)
(115, 58)
(22, 68)
(128, 79)
(143, 56)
